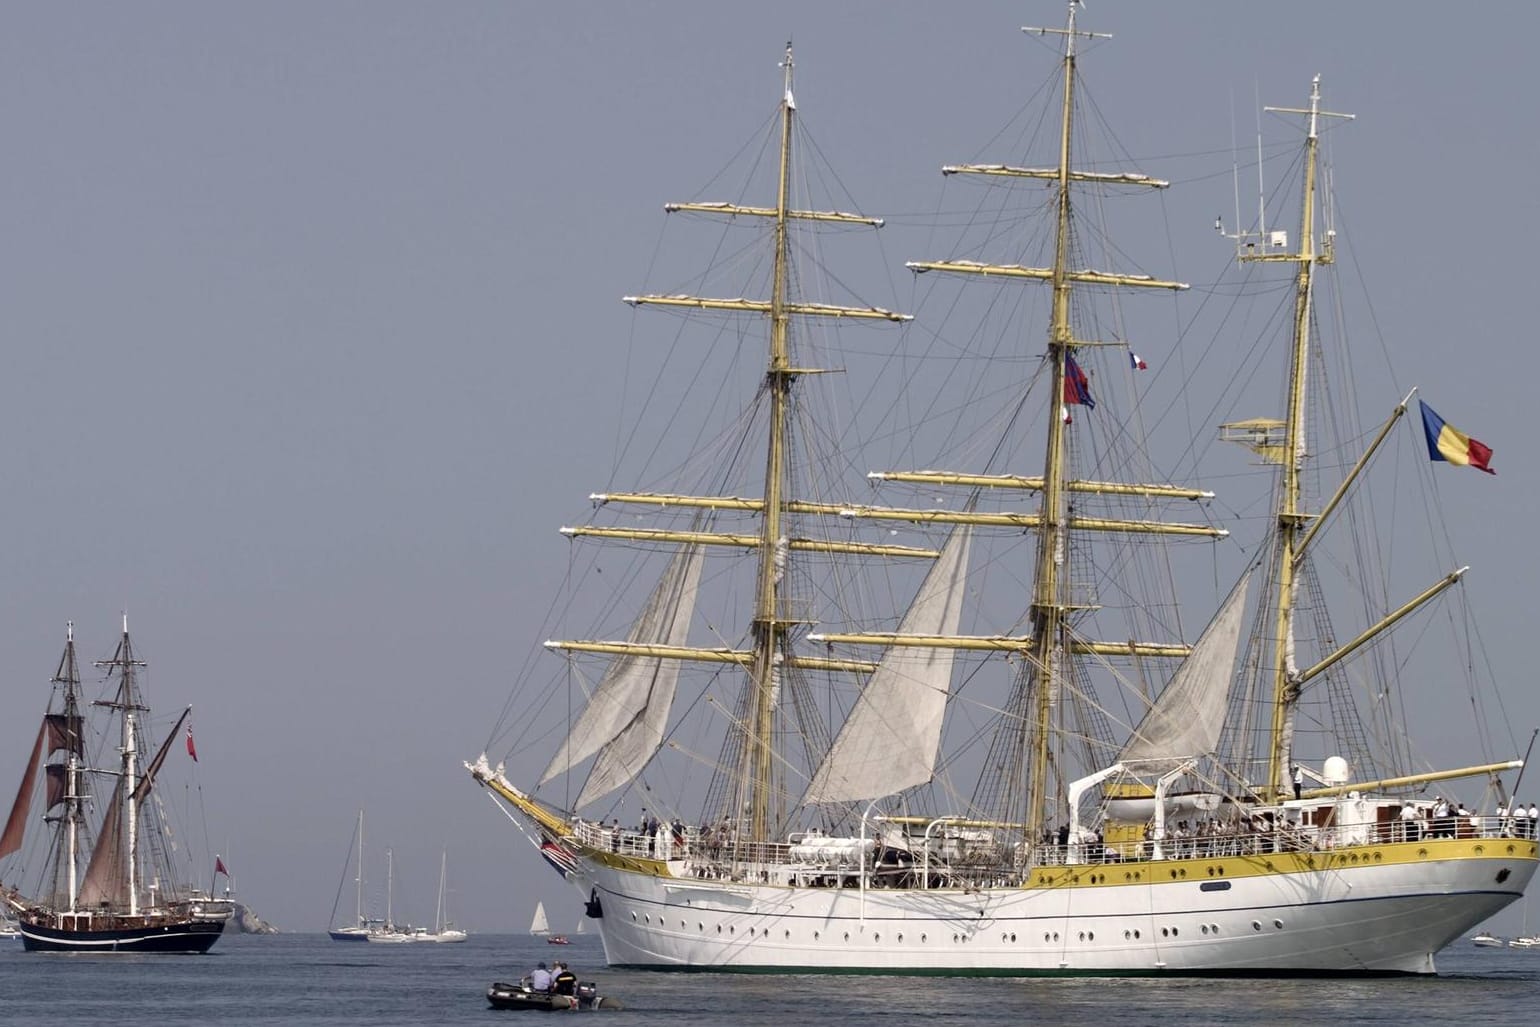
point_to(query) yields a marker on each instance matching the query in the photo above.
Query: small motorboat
(1486, 940)
(557, 939)
(521, 996)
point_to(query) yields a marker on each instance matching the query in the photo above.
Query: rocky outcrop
(244, 921)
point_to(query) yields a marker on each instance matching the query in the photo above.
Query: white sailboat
(390, 933)
(1141, 804)
(443, 930)
(362, 924)
(539, 925)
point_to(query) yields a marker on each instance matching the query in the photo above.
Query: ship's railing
(1287, 838)
(715, 853)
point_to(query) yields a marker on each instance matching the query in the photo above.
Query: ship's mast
(68, 675)
(769, 628)
(1048, 610)
(1292, 516)
(128, 707)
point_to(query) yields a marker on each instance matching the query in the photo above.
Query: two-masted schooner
(1138, 803)
(106, 878)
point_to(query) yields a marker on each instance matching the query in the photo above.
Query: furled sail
(1184, 722)
(626, 714)
(890, 740)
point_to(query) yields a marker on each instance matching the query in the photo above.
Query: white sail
(890, 740)
(625, 717)
(539, 924)
(1185, 721)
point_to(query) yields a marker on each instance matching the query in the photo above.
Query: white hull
(1367, 919)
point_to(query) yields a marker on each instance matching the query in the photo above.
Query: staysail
(626, 715)
(1185, 721)
(107, 877)
(890, 740)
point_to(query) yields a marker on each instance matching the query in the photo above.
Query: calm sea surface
(300, 980)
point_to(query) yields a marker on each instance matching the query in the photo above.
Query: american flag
(561, 858)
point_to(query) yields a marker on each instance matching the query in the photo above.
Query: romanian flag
(1456, 447)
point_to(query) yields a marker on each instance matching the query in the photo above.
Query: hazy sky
(307, 309)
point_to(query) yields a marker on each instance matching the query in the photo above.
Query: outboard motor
(587, 992)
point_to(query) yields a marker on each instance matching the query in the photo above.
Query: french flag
(1138, 362)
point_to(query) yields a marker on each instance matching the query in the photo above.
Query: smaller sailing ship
(107, 882)
(390, 933)
(362, 924)
(539, 925)
(443, 930)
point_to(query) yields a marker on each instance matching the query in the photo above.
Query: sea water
(304, 980)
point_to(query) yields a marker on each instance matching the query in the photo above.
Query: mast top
(1069, 32)
(787, 64)
(1314, 111)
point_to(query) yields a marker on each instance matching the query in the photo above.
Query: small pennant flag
(1455, 447)
(1138, 362)
(192, 750)
(219, 867)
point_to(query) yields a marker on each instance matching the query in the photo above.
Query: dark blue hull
(193, 936)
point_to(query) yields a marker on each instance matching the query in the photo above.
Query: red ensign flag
(192, 750)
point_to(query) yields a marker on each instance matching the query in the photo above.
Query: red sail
(16, 824)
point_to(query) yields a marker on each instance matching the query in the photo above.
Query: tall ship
(104, 876)
(974, 728)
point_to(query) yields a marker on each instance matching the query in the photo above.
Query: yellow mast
(1291, 514)
(769, 629)
(1047, 611)
(1045, 639)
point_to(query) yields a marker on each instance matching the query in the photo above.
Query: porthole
(1128, 935)
(900, 935)
(719, 928)
(922, 939)
(815, 935)
(1213, 928)
(788, 934)
(1278, 924)
(1256, 925)
(1047, 936)
(1090, 936)
(1136, 933)
(700, 927)
(732, 929)
(1165, 932)
(876, 938)
(633, 916)
(1013, 937)
(1205, 928)
(847, 935)
(1175, 931)
(682, 925)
